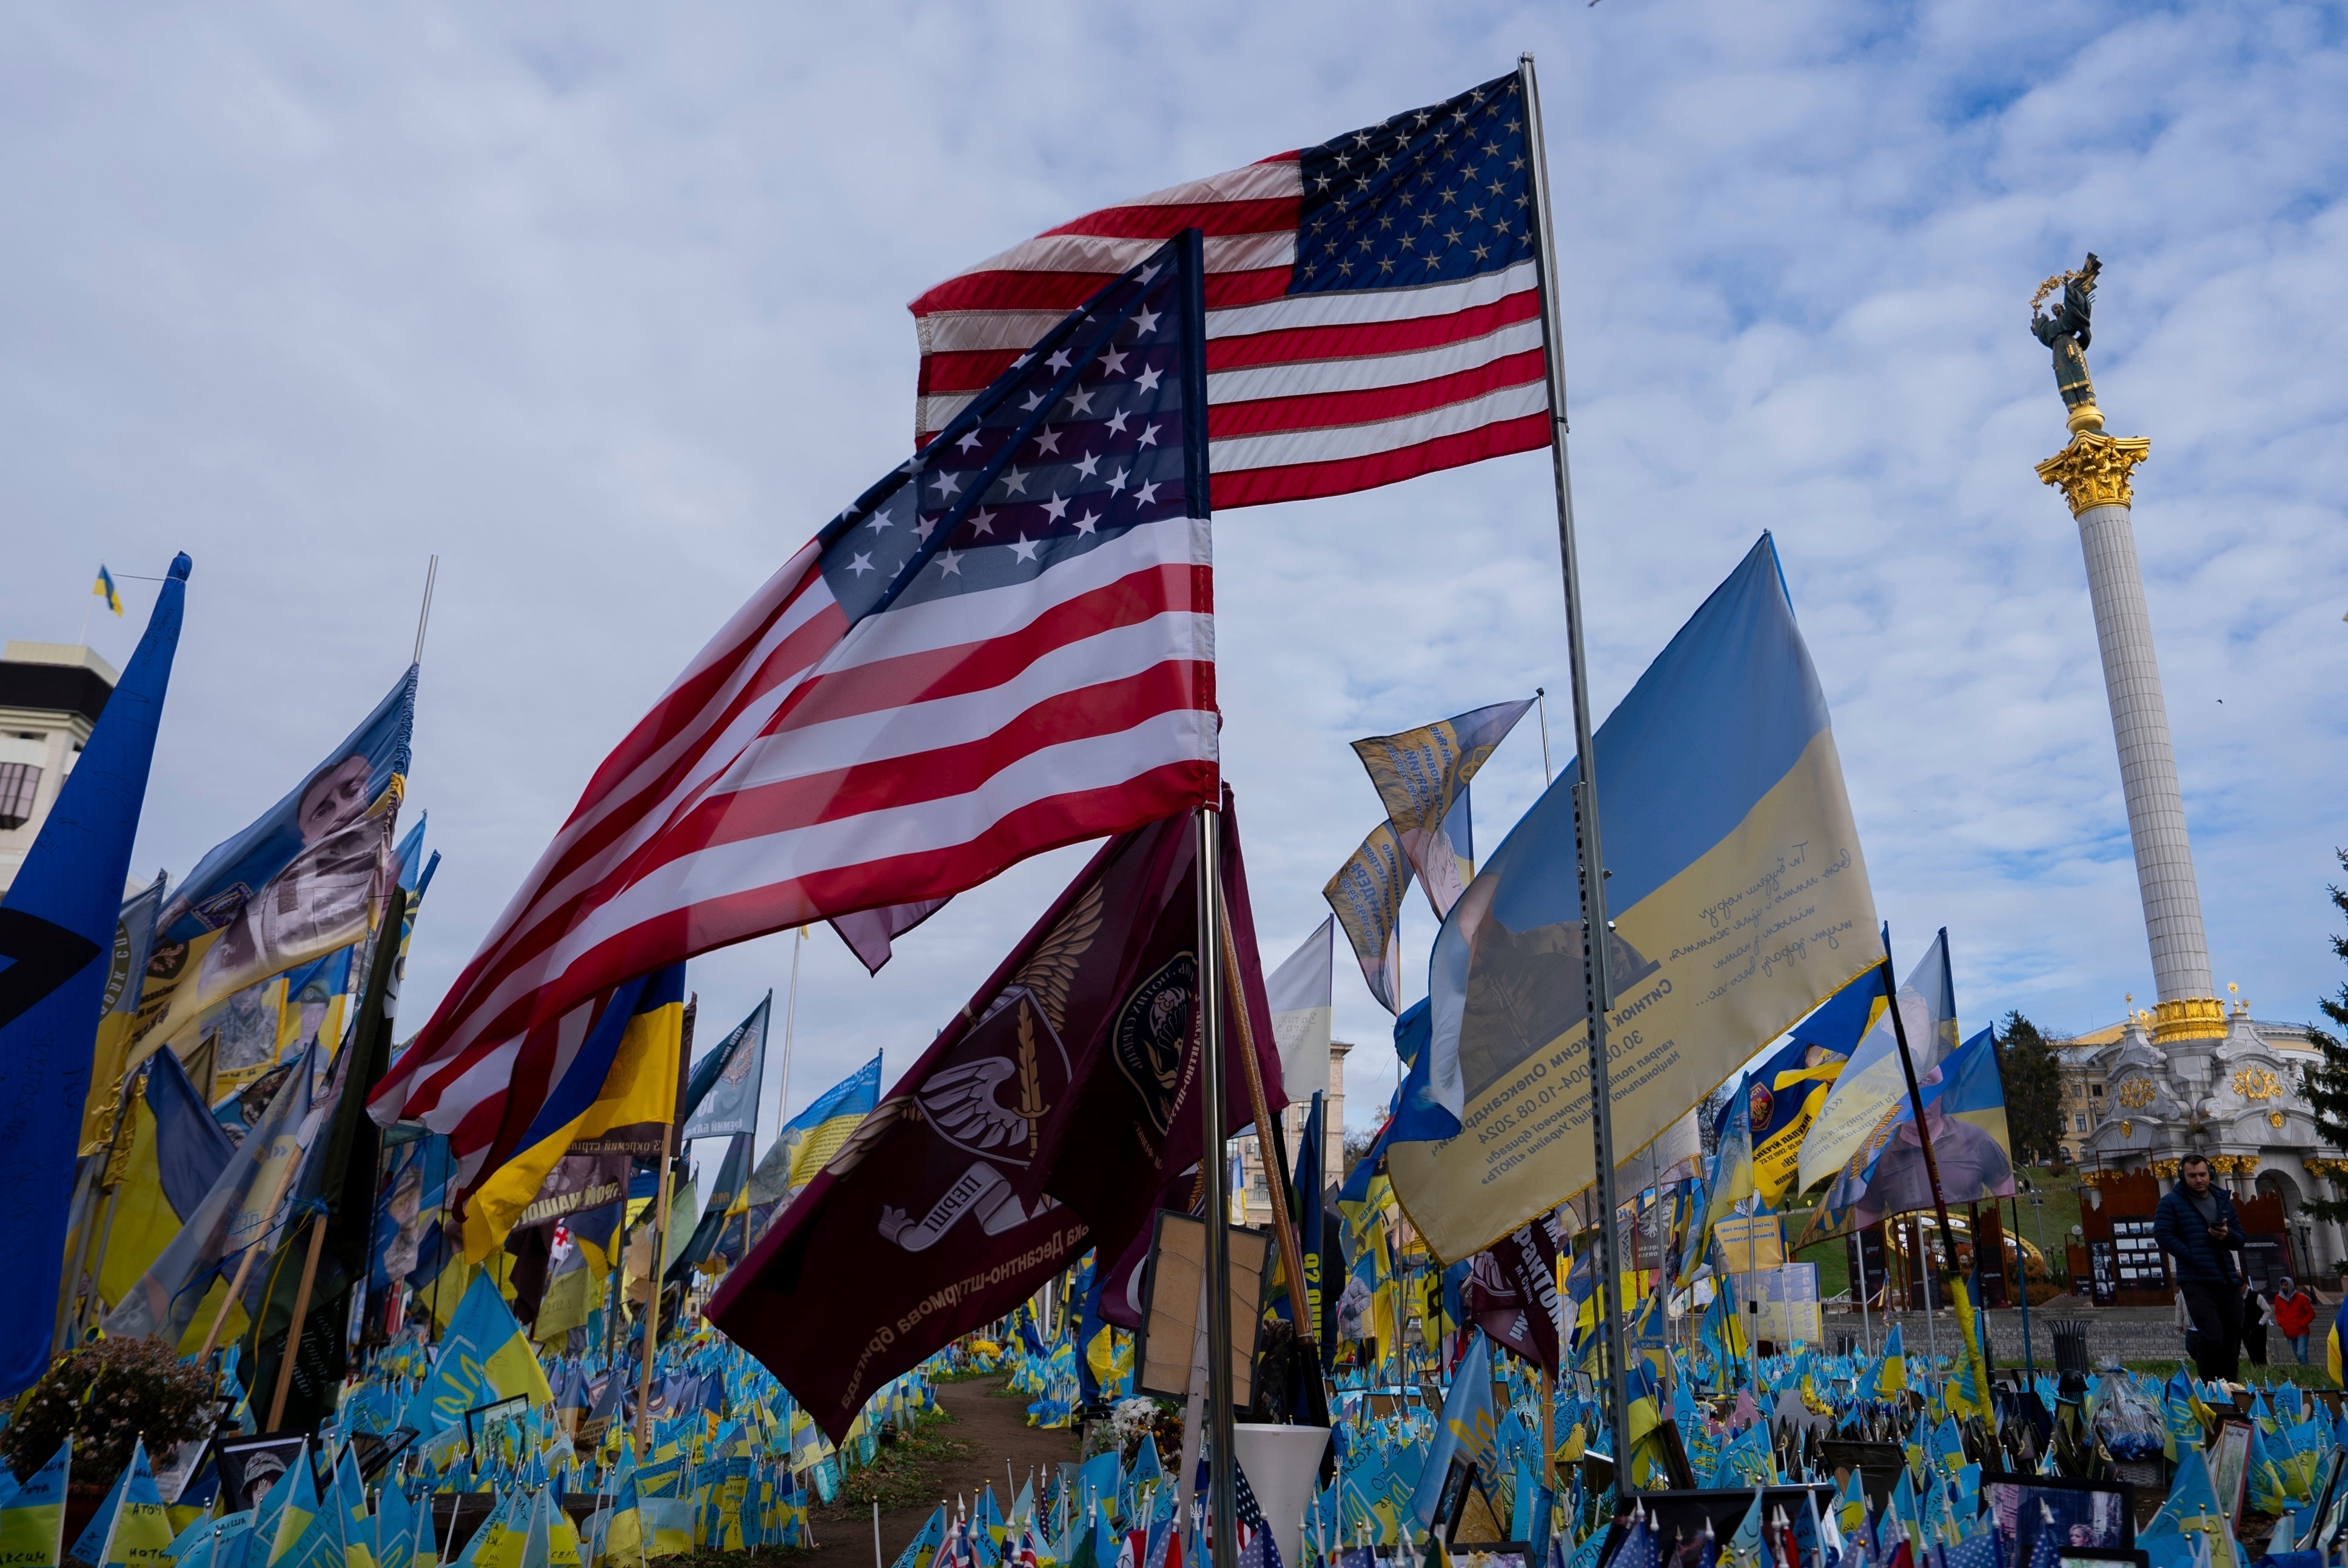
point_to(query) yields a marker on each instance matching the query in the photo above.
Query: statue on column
(2066, 333)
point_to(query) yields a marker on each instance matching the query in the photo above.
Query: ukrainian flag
(33, 1522)
(2334, 1339)
(624, 1076)
(1732, 1182)
(810, 1139)
(1738, 897)
(104, 589)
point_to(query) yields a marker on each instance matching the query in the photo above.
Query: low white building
(2239, 1098)
(50, 696)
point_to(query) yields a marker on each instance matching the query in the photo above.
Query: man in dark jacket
(2198, 1226)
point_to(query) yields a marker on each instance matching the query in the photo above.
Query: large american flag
(1005, 645)
(1373, 304)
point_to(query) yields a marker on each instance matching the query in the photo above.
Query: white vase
(1284, 1468)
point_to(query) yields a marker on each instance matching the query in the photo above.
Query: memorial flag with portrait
(304, 878)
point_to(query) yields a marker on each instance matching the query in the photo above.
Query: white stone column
(2093, 472)
(2156, 808)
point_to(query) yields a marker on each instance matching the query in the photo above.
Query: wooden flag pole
(1589, 859)
(244, 1264)
(293, 1329)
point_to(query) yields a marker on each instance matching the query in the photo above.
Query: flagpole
(659, 1238)
(424, 610)
(1284, 1224)
(1589, 859)
(1222, 1494)
(1923, 1129)
(790, 1020)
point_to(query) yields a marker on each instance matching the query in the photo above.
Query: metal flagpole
(1540, 699)
(1222, 1493)
(1589, 860)
(1866, 1329)
(1923, 1129)
(423, 612)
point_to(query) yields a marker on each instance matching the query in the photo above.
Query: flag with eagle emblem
(1045, 1119)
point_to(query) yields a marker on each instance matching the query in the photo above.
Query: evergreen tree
(2033, 1076)
(2327, 1086)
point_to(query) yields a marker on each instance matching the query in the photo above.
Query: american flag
(1373, 304)
(1005, 645)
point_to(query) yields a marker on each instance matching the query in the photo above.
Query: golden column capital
(2094, 468)
(2188, 1018)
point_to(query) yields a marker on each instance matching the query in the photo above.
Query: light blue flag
(89, 1546)
(1467, 1429)
(1738, 897)
(57, 946)
(923, 1547)
(2191, 1509)
(483, 1356)
(395, 1529)
(210, 1543)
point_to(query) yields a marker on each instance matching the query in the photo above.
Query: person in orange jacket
(2293, 1310)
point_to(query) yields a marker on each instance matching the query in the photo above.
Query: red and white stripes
(801, 769)
(1308, 394)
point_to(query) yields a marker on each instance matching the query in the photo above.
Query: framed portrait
(249, 1466)
(2228, 1455)
(2088, 1515)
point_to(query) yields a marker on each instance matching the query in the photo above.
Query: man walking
(2294, 1315)
(2197, 1225)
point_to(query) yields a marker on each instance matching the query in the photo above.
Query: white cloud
(608, 311)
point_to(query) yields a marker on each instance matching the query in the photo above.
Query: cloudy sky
(605, 306)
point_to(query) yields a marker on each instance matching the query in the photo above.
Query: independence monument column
(2093, 473)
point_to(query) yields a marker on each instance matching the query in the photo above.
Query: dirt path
(958, 1456)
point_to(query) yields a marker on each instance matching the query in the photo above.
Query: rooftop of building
(55, 677)
(2281, 1036)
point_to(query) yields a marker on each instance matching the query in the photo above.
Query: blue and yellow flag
(2191, 1507)
(174, 1152)
(484, 1356)
(1891, 1372)
(810, 1139)
(300, 882)
(1737, 899)
(1465, 1432)
(1730, 1184)
(1786, 1093)
(625, 1075)
(104, 589)
(1964, 1108)
(2332, 1340)
(297, 1518)
(1873, 1084)
(138, 1534)
(33, 1522)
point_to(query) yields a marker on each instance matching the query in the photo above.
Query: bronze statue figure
(2066, 333)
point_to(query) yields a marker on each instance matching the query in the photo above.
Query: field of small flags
(552, 1475)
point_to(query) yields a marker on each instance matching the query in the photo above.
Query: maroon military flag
(1511, 1292)
(1046, 1118)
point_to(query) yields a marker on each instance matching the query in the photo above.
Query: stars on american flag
(1432, 196)
(1093, 422)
